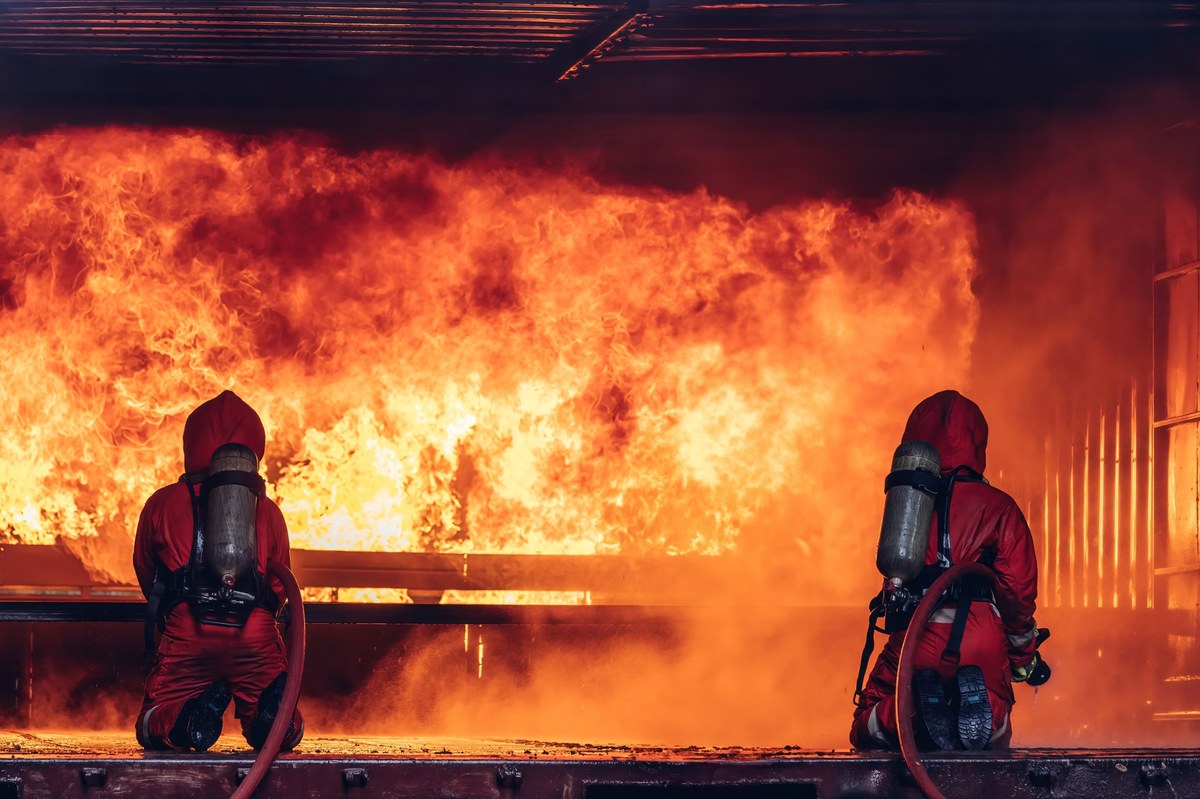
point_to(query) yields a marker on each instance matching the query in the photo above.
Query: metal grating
(1091, 513)
(254, 31)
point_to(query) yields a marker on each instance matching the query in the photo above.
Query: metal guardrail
(395, 613)
(36, 572)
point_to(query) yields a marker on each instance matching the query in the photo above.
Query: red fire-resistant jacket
(981, 517)
(165, 529)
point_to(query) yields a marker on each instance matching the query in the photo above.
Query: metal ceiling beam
(591, 46)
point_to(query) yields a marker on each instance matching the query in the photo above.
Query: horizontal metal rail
(1174, 421)
(393, 613)
(125, 611)
(661, 579)
(1177, 271)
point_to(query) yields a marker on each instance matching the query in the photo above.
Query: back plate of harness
(229, 603)
(899, 602)
(212, 602)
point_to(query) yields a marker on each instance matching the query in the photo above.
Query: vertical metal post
(1059, 498)
(25, 678)
(1102, 474)
(1072, 523)
(1088, 496)
(1046, 556)
(1136, 501)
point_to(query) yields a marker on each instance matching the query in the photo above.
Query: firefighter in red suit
(200, 666)
(998, 642)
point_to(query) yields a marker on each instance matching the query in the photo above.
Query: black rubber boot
(199, 724)
(974, 708)
(268, 708)
(933, 709)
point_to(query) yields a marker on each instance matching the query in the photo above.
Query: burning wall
(488, 357)
(479, 357)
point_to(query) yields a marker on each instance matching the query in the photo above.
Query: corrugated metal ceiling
(190, 31)
(694, 31)
(641, 54)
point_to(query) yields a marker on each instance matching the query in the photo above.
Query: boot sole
(931, 702)
(974, 709)
(204, 728)
(268, 709)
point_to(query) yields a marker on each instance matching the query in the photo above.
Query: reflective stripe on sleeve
(1022, 640)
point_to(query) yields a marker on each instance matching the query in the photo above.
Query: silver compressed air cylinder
(230, 542)
(907, 514)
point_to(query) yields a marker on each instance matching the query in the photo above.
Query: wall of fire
(1114, 506)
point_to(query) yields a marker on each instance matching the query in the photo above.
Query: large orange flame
(478, 357)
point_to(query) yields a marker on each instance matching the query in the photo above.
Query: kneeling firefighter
(940, 511)
(201, 555)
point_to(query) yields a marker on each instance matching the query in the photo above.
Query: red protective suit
(998, 637)
(191, 655)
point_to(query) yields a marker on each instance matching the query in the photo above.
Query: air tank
(230, 543)
(908, 511)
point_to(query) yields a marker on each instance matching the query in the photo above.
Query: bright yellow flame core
(478, 357)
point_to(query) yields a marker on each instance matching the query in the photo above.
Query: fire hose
(904, 672)
(291, 690)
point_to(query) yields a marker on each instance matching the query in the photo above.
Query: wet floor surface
(120, 745)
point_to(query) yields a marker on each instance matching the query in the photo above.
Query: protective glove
(1021, 673)
(1036, 672)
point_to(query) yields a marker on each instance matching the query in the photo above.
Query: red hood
(224, 419)
(954, 426)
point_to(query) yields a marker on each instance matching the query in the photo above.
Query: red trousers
(191, 656)
(983, 645)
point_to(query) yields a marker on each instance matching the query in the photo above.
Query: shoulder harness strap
(167, 588)
(195, 486)
(877, 611)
